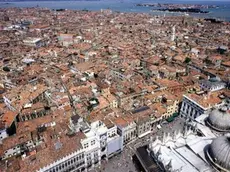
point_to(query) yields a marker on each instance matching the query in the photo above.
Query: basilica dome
(219, 153)
(219, 119)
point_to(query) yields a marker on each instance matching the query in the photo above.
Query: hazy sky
(200, 0)
(184, 1)
(194, 0)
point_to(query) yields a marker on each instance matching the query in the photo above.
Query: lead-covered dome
(219, 119)
(219, 153)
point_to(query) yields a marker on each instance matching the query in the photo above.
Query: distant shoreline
(172, 6)
(186, 10)
(216, 10)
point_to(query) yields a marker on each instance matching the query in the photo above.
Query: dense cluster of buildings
(77, 86)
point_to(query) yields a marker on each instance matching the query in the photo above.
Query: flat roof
(195, 160)
(198, 145)
(31, 40)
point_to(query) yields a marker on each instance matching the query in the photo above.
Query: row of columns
(129, 136)
(33, 115)
(189, 111)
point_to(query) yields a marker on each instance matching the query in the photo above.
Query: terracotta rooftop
(49, 153)
(15, 140)
(168, 83)
(206, 100)
(8, 118)
(120, 122)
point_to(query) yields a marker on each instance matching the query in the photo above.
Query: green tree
(187, 60)
(6, 69)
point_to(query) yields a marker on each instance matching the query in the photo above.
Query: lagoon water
(223, 12)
